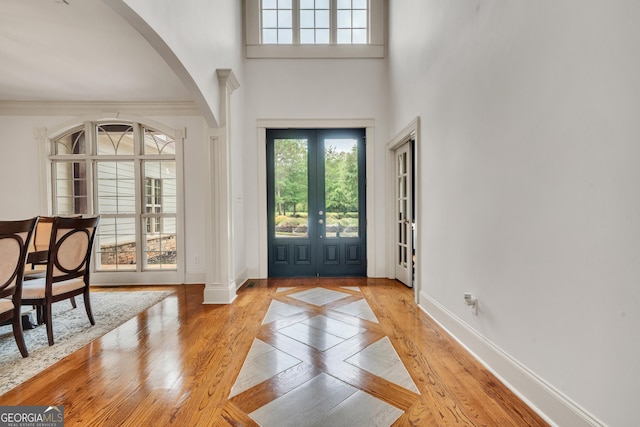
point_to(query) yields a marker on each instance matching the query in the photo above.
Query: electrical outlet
(471, 301)
(196, 259)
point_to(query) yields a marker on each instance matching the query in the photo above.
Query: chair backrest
(14, 241)
(70, 247)
(42, 233)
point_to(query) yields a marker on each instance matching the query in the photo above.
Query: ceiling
(81, 51)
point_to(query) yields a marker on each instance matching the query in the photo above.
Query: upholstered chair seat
(36, 289)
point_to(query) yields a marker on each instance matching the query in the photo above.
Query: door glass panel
(291, 187)
(341, 187)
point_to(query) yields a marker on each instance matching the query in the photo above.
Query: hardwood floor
(182, 363)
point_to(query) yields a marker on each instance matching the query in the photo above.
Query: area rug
(71, 331)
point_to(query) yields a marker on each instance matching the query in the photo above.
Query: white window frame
(374, 49)
(140, 275)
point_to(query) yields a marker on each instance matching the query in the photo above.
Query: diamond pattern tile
(319, 296)
(303, 367)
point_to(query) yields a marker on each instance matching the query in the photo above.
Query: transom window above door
(314, 28)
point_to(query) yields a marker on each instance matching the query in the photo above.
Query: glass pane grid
(116, 243)
(277, 22)
(72, 143)
(116, 187)
(158, 143)
(115, 139)
(352, 22)
(160, 243)
(314, 22)
(71, 187)
(120, 243)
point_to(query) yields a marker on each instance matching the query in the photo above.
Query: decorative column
(220, 286)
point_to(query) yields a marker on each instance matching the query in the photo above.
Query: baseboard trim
(555, 407)
(240, 279)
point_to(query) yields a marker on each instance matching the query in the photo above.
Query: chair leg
(39, 316)
(73, 302)
(17, 333)
(49, 322)
(87, 306)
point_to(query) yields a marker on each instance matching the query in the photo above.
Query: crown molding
(73, 108)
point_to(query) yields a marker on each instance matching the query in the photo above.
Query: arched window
(127, 173)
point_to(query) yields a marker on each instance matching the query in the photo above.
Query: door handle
(320, 221)
(321, 213)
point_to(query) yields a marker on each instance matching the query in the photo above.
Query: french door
(404, 216)
(316, 202)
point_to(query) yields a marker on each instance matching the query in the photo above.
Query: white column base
(220, 294)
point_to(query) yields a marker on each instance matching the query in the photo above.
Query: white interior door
(403, 215)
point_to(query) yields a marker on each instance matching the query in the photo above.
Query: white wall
(203, 36)
(530, 198)
(20, 171)
(312, 89)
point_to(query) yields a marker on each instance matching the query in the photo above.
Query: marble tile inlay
(358, 309)
(262, 363)
(381, 359)
(279, 310)
(321, 332)
(326, 401)
(319, 296)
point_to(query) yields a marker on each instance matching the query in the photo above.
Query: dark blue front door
(316, 202)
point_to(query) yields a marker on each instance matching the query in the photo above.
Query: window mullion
(91, 208)
(333, 21)
(295, 21)
(138, 149)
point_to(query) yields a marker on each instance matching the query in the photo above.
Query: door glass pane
(341, 187)
(291, 187)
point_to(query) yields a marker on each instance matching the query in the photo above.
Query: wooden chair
(40, 246)
(14, 241)
(68, 268)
